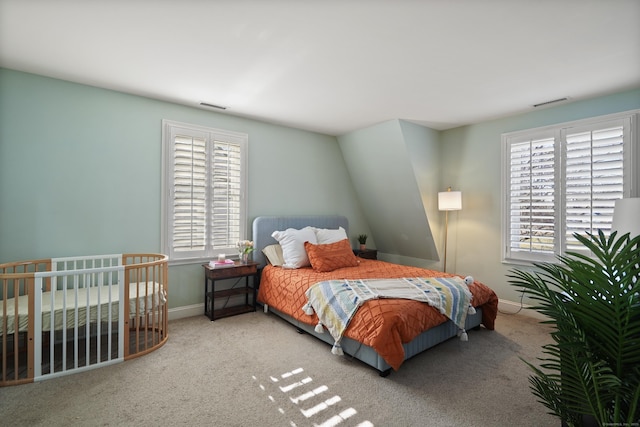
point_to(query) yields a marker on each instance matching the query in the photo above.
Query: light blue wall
(386, 162)
(471, 159)
(423, 145)
(80, 172)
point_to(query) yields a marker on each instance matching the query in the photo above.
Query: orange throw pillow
(330, 256)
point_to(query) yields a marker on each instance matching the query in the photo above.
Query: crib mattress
(143, 297)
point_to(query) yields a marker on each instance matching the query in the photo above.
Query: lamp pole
(448, 201)
(446, 233)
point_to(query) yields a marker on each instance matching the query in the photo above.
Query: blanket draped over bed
(383, 323)
(336, 301)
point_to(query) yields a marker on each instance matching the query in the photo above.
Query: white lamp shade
(626, 217)
(449, 201)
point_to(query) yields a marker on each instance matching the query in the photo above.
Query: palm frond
(593, 302)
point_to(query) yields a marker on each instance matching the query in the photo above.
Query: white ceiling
(334, 66)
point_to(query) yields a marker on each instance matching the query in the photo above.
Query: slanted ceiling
(393, 167)
(334, 66)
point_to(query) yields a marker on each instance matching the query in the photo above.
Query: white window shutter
(204, 187)
(563, 180)
(189, 194)
(594, 180)
(225, 204)
(532, 197)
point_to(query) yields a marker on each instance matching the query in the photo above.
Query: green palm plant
(591, 371)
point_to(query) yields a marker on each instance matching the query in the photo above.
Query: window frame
(210, 135)
(631, 177)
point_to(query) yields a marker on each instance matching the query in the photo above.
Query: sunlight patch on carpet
(296, 396)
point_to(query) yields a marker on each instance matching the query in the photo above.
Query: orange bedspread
(383, 324)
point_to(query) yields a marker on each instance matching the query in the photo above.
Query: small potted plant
(362, 239)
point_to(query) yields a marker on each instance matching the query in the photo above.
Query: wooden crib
(64, 315)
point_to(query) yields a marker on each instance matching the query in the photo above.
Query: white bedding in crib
(143, 297)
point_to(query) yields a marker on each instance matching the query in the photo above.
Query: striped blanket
(335, 302)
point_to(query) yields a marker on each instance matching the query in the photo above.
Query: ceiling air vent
(219, 107)
(550, 102)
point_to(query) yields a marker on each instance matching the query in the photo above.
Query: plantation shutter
(531, 197)
(564, 180)
(594, 179)
(226, 200)
(189, 194)
(204, 189)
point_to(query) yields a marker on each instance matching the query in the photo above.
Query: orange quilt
(383, 324)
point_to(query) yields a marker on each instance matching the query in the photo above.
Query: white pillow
(292, 243)
(326, 235)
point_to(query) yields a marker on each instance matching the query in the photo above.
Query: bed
(384, 332)
(65, 315)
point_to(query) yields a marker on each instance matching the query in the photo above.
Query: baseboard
(512, 307)
(186, 311)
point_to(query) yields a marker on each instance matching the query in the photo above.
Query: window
(565, 179)
(204, 191)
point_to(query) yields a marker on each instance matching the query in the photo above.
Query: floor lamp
(448, 201)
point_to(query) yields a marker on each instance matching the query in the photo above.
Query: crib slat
(122, 318)
(98, 284)
(87, 326)
(54, 291)
(35, 325)
(31, 334)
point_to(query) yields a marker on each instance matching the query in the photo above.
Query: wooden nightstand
(238, 270)
(367, 253)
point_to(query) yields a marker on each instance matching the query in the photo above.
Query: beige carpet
(255, 370)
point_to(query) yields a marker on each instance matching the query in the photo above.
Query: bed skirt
(368, 355)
